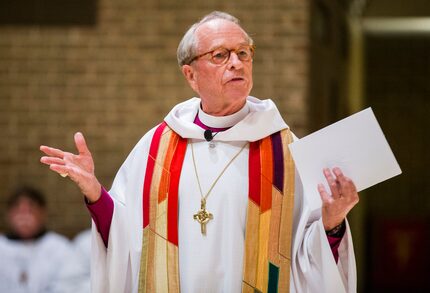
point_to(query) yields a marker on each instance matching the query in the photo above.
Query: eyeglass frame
(251, 47)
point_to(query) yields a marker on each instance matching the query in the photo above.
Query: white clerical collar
(223, 121)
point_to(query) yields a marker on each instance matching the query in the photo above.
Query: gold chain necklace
(203, 216)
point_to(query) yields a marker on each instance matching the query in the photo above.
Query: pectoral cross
(203, 216)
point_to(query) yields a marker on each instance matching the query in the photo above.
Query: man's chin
(237, 99)
(237, 94)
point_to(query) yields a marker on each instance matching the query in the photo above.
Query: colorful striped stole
(269, 218)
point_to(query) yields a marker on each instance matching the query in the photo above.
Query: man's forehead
(218, 32)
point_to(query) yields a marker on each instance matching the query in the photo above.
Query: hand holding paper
(355, 144)
(343, 198)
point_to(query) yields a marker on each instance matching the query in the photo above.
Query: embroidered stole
(267, 256)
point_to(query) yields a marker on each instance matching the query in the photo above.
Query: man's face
(221, 87)
(26, 218)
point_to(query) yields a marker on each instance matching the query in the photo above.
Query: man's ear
(190, 74)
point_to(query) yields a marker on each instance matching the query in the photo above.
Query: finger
(341, 180)
(338, 173)
(350, 191)
(332, 183)
(60, 169)
(67, 171)
(51, 160)
(325, 197)
(80, 143)
(346, 185)
(52, 151)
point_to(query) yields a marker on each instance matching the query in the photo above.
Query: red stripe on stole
(254, 166)
(172, 202)
(153, 151)
(266, 174)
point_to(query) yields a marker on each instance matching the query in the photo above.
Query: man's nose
(234, 62)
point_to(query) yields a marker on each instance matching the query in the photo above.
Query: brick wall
(329, 60)
(115, 80)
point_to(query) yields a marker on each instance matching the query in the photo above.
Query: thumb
(80, 143)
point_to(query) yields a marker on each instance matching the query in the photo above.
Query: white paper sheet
(355, 144)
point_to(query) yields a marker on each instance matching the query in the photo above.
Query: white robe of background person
(75, 272)
(214, 263)
(35, 261)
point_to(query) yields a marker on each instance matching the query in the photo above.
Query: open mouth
(237, 79)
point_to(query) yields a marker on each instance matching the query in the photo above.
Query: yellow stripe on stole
(143, 260)
(263, 249)
(247, 289)
(161, 265)
(161, 277)
(165, 177)
(173, 267)
(275, 223)
(161, 221)
(288, 200)
(150, 271)
(146, 275)
(156, 176)
(251, 244)
(284, 275)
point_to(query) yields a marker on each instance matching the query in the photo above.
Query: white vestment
(214, 263)
(75, 273)
(32, 266)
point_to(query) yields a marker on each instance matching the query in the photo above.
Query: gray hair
(187, 48)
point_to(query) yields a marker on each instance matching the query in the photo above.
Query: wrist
(336, 231)
(94, 195)
(331, 222)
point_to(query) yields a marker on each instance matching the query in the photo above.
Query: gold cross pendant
(203, 216)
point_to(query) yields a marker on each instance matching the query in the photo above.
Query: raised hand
(342, 199)
(80, 167)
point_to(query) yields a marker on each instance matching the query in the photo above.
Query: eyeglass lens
(221, 55)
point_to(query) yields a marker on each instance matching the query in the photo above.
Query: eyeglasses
(221, 55)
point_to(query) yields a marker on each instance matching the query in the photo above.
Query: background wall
(398, 211)
(374, 53)
(118, 77)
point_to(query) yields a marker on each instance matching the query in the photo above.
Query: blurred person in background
(30, 255)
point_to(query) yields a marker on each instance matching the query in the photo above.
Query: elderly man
(209, 201)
